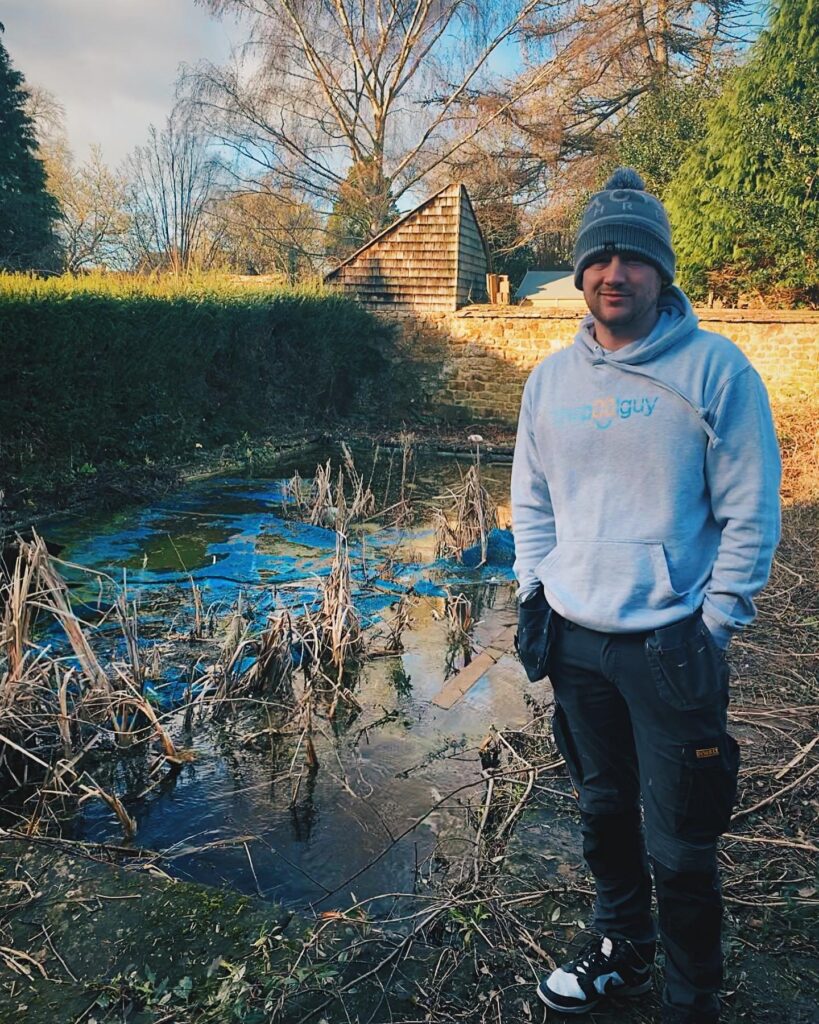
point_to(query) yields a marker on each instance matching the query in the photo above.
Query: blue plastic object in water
(500, 550)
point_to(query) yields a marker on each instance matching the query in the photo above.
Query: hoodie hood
(676, 321)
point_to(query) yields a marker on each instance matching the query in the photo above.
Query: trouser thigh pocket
(708, 788)
(534, 636)
(690, 672)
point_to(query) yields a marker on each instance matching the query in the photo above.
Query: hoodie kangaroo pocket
(689, 672)
(603, 584)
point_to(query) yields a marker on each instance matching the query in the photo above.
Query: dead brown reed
(361, 504)
(402, 512)
(388, 640)
(271, 673)
(341, 639)
(334, 500)
(198, 628)
(129, 825)
(464, 517)
(57, 603)
(300, 494)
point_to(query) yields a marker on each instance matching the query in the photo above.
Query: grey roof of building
(546, 285)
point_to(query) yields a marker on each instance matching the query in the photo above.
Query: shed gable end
(428, 261)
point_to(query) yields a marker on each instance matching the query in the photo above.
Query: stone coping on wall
(575, 310)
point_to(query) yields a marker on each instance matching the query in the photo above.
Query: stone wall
(474, 362)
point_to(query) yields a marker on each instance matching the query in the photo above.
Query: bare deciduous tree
(267, 233)
(407, 90)
(93, 222)
(595, 59)
(92, 199)
(174, 182)
(323, 85)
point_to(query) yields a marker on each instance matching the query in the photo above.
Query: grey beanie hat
(625, 218)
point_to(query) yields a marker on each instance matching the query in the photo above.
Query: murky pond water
(237, 814)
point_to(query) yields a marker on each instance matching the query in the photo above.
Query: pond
(243, 813)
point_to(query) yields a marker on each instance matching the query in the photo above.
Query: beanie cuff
(601, 240)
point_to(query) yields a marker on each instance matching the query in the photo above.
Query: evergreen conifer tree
(27, 211)
(745, 204)
(363, 207)
(659, 134)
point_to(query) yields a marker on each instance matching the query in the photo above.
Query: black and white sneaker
(604, 967)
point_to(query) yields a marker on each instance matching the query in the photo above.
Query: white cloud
(112, 64)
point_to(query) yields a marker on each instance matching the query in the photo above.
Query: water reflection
(381, 765)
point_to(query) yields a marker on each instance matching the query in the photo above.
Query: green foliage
(106, 368)
(27, 211)
(745, 205)
(659, 135)
(363, 208)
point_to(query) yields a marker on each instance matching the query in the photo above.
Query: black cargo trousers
(644, 715)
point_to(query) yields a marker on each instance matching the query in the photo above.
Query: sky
(112, 64)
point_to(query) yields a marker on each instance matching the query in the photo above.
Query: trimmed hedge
(102, 369)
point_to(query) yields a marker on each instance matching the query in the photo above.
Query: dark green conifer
(744, 206)
(27, 210)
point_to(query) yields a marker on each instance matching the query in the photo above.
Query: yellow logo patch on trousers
(707, 752)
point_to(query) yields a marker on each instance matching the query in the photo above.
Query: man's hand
(534, 634)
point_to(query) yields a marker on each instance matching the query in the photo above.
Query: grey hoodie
(645, 481)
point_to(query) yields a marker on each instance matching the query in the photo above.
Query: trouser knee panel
(613, 844)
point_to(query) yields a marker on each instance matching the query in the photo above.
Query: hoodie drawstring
(698, 412)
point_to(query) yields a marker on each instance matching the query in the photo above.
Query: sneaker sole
(629, 992)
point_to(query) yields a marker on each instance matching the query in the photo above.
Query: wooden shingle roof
(432, 259)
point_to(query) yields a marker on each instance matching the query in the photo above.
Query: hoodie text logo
(602, 412)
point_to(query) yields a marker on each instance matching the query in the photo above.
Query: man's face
(621, 290)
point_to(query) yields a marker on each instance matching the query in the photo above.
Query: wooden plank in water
(461, 683)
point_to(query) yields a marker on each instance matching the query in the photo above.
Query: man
(646, 513)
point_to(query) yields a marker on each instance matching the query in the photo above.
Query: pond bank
(84, 939)
(112, 487)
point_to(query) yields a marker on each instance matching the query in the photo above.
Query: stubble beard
(636, 308)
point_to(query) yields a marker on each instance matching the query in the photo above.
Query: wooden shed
(433, 259)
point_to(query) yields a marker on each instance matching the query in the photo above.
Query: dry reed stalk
(300, 494)
(142, 710)
(304, 716)
(363, 499)
(64, 718)
(341, 639)
(56, 595)
(272, 671)
(393, 642)
(404, 515)
(198, 630)
(322, 510)
(18, 608)
(236, 631)
(95, 792)
(458, 612)
(325, 503)
(128, 617)
(466, 519)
